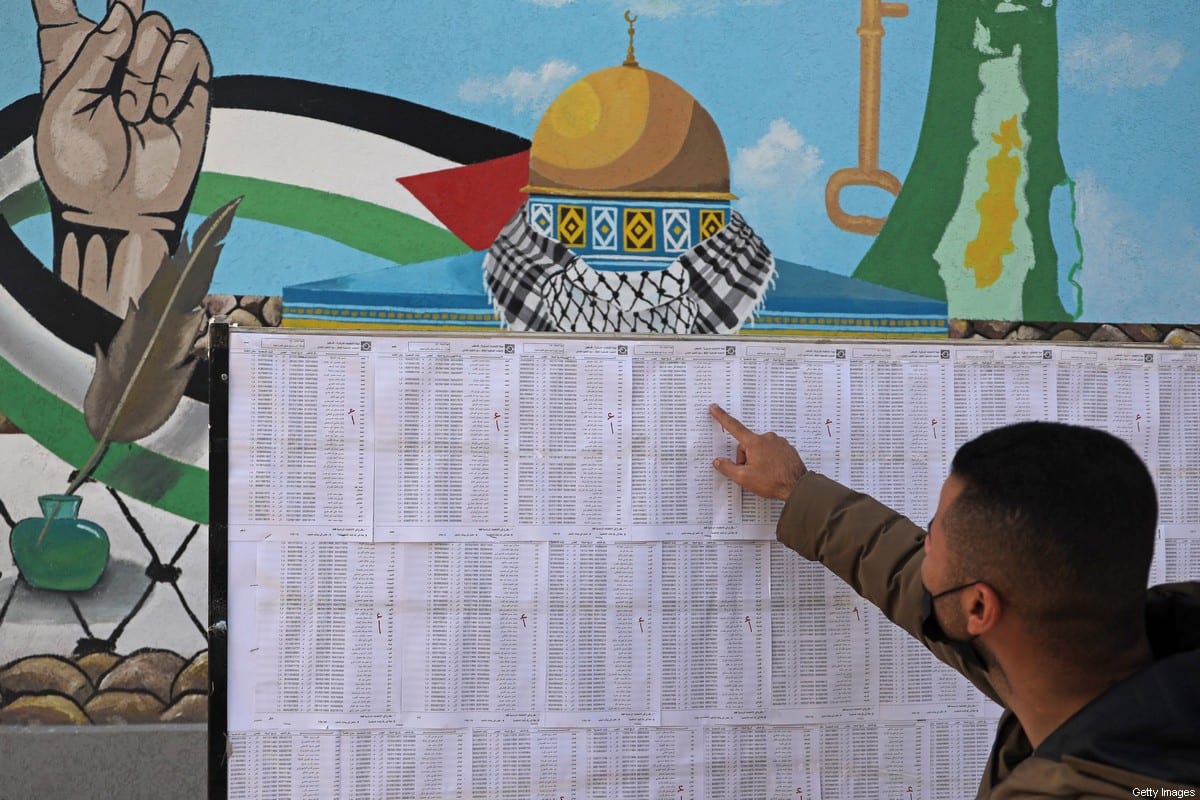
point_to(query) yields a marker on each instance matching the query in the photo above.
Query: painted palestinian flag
(382, 176)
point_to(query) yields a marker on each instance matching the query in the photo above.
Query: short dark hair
(1060, 519)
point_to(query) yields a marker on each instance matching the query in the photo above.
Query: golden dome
(628, 132)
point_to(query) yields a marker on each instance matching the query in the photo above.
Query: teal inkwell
(58, 550)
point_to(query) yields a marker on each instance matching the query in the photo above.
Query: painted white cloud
(551, 3)
(524, 91)
(1120, 60)
(780, 162)
(777, 180)
(1138, 265)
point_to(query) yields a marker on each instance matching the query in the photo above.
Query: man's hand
(766, 465)
(125, 107)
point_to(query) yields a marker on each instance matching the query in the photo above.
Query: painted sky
(781, 80)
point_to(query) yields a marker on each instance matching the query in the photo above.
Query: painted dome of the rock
(627, 132)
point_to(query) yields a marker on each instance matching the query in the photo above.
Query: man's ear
(983, 608)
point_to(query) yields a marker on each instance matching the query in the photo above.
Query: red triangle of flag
(476, 200)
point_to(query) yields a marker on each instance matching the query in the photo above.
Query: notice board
(502, 566)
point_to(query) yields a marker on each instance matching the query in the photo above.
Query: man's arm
(874, 549)
(871, 547)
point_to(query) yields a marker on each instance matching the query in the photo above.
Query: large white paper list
(302, 445)
(823, 654)
(1178, 437)
(500, 567)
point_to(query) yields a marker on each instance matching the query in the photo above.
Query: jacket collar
(1148, 723)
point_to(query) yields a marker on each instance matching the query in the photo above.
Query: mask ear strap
(932, 630)
(953, 589)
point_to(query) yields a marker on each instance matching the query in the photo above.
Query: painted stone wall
(870, 169)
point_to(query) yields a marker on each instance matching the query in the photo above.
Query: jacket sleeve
(873, 548)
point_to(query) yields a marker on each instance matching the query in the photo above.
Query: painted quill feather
(140, 381)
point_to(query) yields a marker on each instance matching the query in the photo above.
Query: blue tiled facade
(618, 234)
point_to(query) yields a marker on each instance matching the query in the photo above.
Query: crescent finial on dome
(630, 61)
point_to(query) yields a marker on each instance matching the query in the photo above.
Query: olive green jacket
(1143, 733)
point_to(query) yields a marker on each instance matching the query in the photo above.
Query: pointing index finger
(730, 423)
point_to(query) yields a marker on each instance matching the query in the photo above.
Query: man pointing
(1031, 582)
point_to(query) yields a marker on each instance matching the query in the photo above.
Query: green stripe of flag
(26, 202)
(58, 426)
(383, 232)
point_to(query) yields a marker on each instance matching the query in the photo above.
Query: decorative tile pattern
(604, 228)
(711, 221)
(572, 226)
(677, 230)
(541, 218)
(639, 230)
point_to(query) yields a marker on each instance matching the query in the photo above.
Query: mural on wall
(974, 221)
(871, 168)
(119, 137)
(628, 225)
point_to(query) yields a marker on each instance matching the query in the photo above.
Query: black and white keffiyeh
(537, 284)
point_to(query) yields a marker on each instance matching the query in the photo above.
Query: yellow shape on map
(997, 208)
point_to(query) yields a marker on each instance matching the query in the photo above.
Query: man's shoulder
(1071, 776)
(1173, 617)
(1148, 725)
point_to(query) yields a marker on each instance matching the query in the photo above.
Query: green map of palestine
(952, 233)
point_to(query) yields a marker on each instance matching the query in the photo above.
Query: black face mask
(932, 630)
